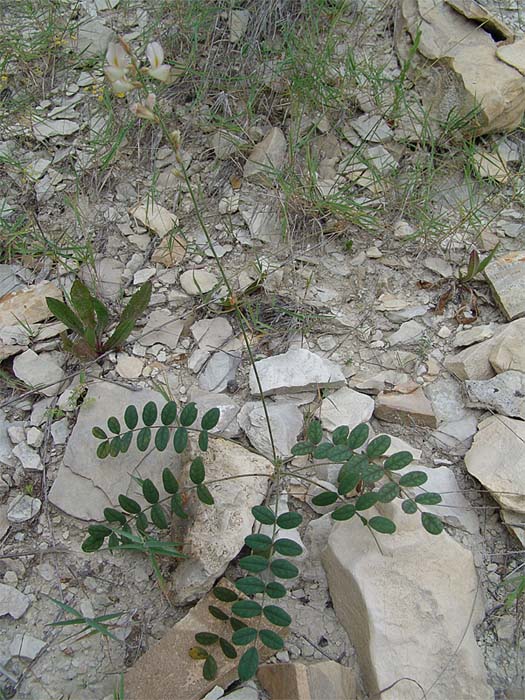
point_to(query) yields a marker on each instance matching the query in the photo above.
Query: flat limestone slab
(506, 276)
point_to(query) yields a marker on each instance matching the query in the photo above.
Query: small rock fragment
(29, 458)
(27, 305)
(326, 680)
(195, 282)
(162, 327)
(267, 157)
(26, 646)
(22, 508)
(346, 407)
(156, 218)
(408, 409)
(39, 371)
(295, 370)
(504, 393)
(12, 602)
(506, 276)
(239, 20)
(129, 366)
(286, 422)
(211, 334)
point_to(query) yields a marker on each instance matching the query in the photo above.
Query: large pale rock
(221, 368)
(211, 334)
(268, 156)
(162, 327)
(12, 601)
(158, 219)
(497, 459)
(326, 680)
(262, 215)
(407, 409)
(506, 276)
(346, 407)
(460, 65)
(214, 535)
(27, 305)
(504, 393)
(105, 277)
(508, 352)
(473, 362)
(409, 608)
(286, 422)
(39, 371)
(195, 282)
(295, 370)
(85, 484)
(228, 406)
(166, 672)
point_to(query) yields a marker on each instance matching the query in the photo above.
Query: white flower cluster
(119, 63)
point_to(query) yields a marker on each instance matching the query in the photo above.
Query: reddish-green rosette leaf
(65, 314)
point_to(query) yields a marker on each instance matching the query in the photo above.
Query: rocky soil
(343, 219)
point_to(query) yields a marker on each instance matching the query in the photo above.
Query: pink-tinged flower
(144, 111)
(155, 55)
(118, 62)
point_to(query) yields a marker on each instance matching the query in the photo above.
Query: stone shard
(221, 369)
(162, 327)
(473, 362)
(460, 64)
(408, 409)
(105, 277)
(12, 601)
(27, 305)
(211, 334)
(195, 282)
(508, 351)
(497, 459)
(295, 370)
(268, 156)
(506, 276)
(158, 219)
(170, 251)
(407, 632)
(504, 393)
(214, 536)
(39, 371)
(326, 680)
(166, 671)
(286, 422)
(346, 407)
(85, 484)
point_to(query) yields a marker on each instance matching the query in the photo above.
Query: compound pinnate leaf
(428, 499)
(206, 638)
(248, 664)
(344, 512)
(180, 440)
(339, 454)
(431, 523)
(243, 636)
(388, 492)
(217, 612)
(177, 507)
(321, 451)
(203, 440)
(103, 449)
(409, 506)
(131, 417)
(289, 521)
(143, 439)
(228, 649)
(383, 525)
(246, 608)
(258, 542)
(287, 547)
(188, 414)
(197, 471)
(114, 446)
(226, 595)
(150, 491)
(141, 522)
(263, 515)
(340, 435)
(271, 639)
(315, 432)
(114, 516)
(253, 563)
(162, 437)
(149, 413)
(99, 433)
(413, 479)
(158, 517)
(302, 448)
(129, 505)
(274, 589)
(366, 500)
(358, 436)
(168, 413)
(198, 653)
(91, 544)
(399, 460)
(378, 446)
(209, 670)
(210, 419)
(284, 569)
(114, 425)
(204, 495)
(250, 585)
(326, 498)
(170, 483)
(125, 441)
(277, 616)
